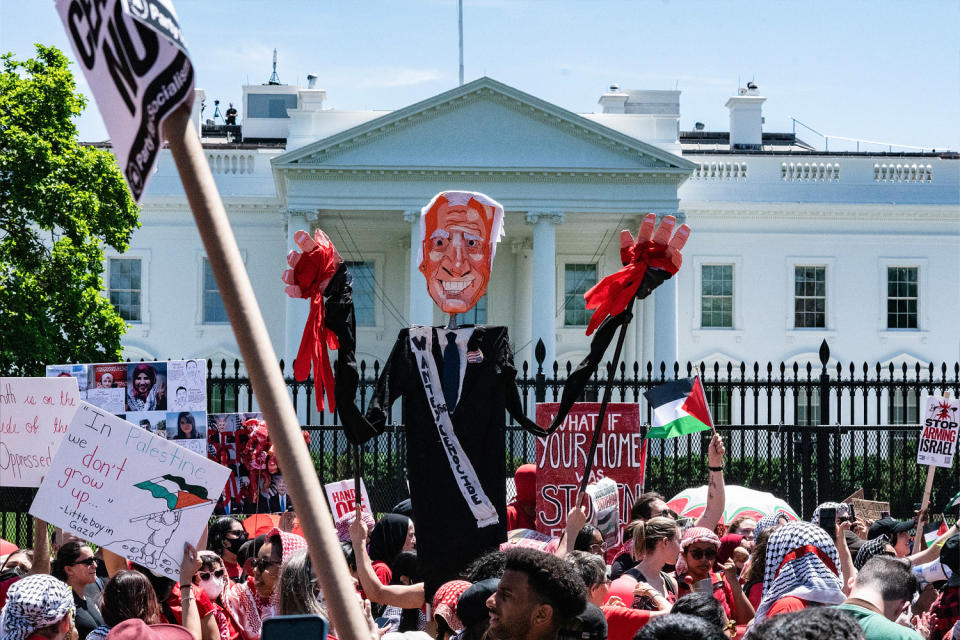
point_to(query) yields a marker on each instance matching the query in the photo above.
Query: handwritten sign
(34, 414)
(605, 501)
(562, 456)
(120, 487)
(341, 496)
(938, 439)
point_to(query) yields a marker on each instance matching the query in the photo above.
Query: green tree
(61, 202)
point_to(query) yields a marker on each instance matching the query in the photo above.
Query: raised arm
(41, 547)
(716, 494)
(398, 595)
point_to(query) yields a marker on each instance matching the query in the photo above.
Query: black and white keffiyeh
(34, 602)
(802, 561)
(869, 549)
(841, 507)
(770, 521)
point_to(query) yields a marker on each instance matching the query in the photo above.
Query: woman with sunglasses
(76, 566)
(212, 579)
(699, 548)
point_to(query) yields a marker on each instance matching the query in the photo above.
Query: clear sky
(878, 70)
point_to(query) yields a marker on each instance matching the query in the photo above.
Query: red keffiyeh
(445, 602)
(312, 273)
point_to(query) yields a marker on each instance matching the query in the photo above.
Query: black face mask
(233, 544)
(12, 572)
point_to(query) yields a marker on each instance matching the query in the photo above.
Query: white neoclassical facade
(790, 245)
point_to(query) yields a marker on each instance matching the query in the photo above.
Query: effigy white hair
(463, 198)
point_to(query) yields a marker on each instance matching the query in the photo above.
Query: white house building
(790, 245)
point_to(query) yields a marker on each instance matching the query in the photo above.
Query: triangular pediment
(484, 125)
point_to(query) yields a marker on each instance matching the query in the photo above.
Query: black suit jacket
(274, 503)
(447, 535)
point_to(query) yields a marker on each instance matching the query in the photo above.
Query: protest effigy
(34, 414)
(120, 487)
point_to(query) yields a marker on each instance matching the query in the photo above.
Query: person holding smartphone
(699, 547)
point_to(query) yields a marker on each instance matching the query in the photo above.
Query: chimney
(746, 118)
(614, 101)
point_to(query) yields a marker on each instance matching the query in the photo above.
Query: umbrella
(7, 547)
(741, 501)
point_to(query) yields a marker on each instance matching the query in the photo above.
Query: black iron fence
(808, 433)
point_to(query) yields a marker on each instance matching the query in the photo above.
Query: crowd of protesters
(771, 578)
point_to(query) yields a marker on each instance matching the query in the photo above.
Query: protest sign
(561, 458)
(870, 509)
(530, 539)
(938, 438)
(135, 60)
(342, 499)
(34, 414)
(605, 503)
(167, 398)
(122, 488)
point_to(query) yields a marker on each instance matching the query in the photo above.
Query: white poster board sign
(938, 437)
(606, 510)
(341, 496)
(120, 487)
(34, 414)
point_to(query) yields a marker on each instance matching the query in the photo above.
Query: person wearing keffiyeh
(802, 568)
(699, 547)
(772, 520)
(37, 602)
(445, 607)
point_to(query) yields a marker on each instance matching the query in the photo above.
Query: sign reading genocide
(118, 486)
(34, 414)
(562, 456)
(938, 436)
(134, 57)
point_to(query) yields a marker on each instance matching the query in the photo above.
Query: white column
(297, 309)
(522, 321)
(420, 304)
(544, 298)
(665, 347)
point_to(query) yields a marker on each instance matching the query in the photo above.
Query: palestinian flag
(175, 490)
(954, 501)
(933, 531)
(679, 407)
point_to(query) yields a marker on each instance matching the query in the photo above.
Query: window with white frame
(718, 399)
(810, 297)
(902, 406)
(213, 310)
(902, 297)
(716, 296)
(578, 278)
(364, 292)
(476, 315)
(125, 288)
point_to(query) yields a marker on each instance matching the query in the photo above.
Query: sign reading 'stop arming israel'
(938, 436)
(134, 57)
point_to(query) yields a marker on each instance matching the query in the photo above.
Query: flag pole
(696, 371)
(265, 376)
(607, 393)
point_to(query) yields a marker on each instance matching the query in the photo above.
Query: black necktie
(451, 372)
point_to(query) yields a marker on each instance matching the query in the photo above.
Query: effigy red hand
(648, 261)
(311, 271)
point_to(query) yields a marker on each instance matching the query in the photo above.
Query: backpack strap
(669, 582)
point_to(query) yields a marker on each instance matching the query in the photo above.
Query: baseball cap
(889, 525)
(591, 624)
(950, 558)
(34, 602)
(472, 605)
(137, 629)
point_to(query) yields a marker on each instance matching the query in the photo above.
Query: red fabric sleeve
(204, 606)
(786, 605)
(624, 622)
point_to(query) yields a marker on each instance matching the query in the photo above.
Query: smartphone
(828, 521)
(884, 514)
(301, 626)
(852, 511)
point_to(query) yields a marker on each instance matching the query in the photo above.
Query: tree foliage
(60, 203)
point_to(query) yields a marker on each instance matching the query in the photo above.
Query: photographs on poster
(168, 399)
(255, 484)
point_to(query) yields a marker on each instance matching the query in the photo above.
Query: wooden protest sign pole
(265, 376)
(607, 393)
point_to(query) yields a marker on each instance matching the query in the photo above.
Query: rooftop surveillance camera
(751, 85)
(614, 87)
(311, 80)
(699, 126)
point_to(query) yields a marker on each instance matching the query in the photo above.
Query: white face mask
(213, 587)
